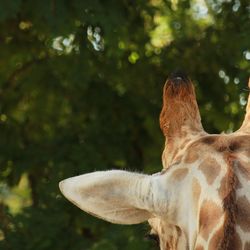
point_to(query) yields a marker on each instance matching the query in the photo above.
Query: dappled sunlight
(94, 36)
(243, 100)
(247, 54)
(81, 90)
(65, 45)
(17, 197)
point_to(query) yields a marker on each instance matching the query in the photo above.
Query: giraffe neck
(213, 179)
(175, 147)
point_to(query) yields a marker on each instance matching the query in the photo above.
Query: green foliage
(80, 90)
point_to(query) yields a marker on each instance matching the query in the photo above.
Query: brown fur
(199, 247)
(222, 143)
(223, 190)
(236, 243)
(228, 146)
(179, 174)
(209, 139)
(247, 246)
(216, 239)
(196, 190)
(193, 153)
(210, 214)
(210, 169)
(229, 204)
(244, 169)
(243, 215)
(179, 103)
(191, 156)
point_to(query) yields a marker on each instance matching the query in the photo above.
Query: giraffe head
(201, 199)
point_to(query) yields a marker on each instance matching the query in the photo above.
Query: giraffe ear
(116, 196)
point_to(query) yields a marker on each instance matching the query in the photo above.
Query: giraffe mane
(229, 205)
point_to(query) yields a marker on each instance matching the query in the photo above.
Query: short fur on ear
(116, 196)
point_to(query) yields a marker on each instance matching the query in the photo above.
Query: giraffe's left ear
(116, 196)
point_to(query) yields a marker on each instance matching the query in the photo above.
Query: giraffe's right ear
(116, 196)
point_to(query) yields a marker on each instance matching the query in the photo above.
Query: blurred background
(81, 90)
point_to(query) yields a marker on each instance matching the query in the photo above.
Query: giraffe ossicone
(201, 199)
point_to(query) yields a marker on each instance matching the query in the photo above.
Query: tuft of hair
(179, 76)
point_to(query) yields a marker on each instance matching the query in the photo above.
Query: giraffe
(201, 198)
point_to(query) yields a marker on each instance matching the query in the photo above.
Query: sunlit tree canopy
(81, 90)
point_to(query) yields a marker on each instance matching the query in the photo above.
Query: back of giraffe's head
(202, 198)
